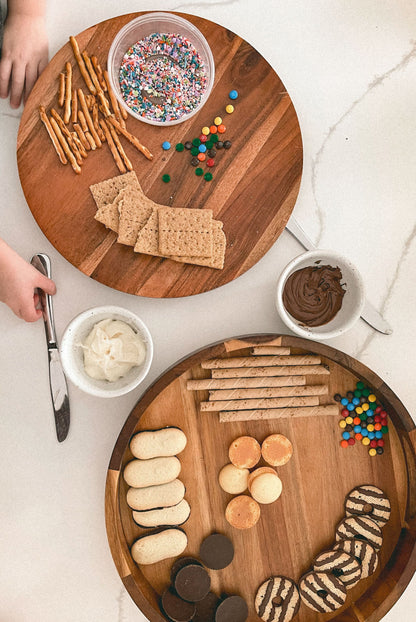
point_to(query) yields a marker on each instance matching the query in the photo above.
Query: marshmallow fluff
(111, 349)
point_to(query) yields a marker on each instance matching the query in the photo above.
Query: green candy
(366, 392)
(208, 176)
(384, 429)
(199, 172)
(179, 147)
(209, 144)
(166, 178)
(196, 142)
(214, 138)
(360, 385)
(373, 405)
(357, 393)
(194, 151)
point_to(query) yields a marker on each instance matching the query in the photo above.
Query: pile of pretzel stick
(96, 117)
(269, 383)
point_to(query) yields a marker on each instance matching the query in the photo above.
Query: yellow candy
(205, 131)
(349, 420)
(342, 423)
(217, 121)
(359, 410)
(229, 108)
(366, 440)
(370, 427)
(372, 452)
(365, 406)
(371, 398)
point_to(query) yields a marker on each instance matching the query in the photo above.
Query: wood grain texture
(302, 522)
(253, 191)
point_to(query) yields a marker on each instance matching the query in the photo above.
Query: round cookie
(362, 551)
(368, 500)
(232, 609)
(181, 562)
(242, 512)
(341, 564)
(205, 608)
(244, 452)
(232, 479)
(361, 528)
(277, 600)
(322, 592)
(175, 608)
(216, 551)
(192, 582)
(266, 488)
(276, 449)
(259, 471)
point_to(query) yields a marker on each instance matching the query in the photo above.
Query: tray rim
(407, 427)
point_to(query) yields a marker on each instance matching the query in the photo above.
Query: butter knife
(57, 382)
(369, 313)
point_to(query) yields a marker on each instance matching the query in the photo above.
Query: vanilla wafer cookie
(277, 600)
(341, 564)
(322, 592)
(362, 528)
(368, 500)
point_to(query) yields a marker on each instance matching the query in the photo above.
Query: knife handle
(42, 263)
(296, 230)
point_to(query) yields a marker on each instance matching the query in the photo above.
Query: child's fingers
(46, 284)
(18, 82)
(30, 79)
(28, 312)
(5, 71)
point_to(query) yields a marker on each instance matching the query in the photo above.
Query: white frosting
(111, 349)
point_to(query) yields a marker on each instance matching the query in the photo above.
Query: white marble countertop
(350, 68)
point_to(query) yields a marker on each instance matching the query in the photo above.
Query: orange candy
(358, 436)
(344, 443)
(357, 421)
(221, 129)
(213, 129)
(201, 157)
(377, 426)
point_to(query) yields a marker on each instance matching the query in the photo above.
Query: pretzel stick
(124, 113)
(45, 120)
(65, 147)
(67, 135)
(74, 106)
(278, 413)
(113, 148)
(81, 119)
(68, 92)
(99, 72)
(96, 123)
(245, 383)
(61, 90)
(240, 394)
(91, 141)
(134, 141)
(88, 119)
(82, 66)
(119, 146)
(113, 100)
(284, 370)
(79, 144)
(269, 350)
(90, 99)
(91, 70)
(104, 103)
(261, 361)
(81, 136)
(255, 404)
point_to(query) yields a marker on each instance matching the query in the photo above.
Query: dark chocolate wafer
(205, 608)
(216, 551)
(180, 563)
(192, 582)
(232, 609)
(175, 608)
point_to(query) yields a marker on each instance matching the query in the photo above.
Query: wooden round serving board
(302, 523)
(253, 191)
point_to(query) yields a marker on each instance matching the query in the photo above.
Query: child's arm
(18, 281)
(25, 49)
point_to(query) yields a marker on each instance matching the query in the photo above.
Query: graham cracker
(218, 250)
(148, 237)
(185, 232)
(105, 194)
(108, 215)
(134, 209)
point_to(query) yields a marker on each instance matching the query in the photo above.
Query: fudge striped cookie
(369, 501)
(361, 528)
(322, 592)
(277, 600)
(363, 551)
(341, 564)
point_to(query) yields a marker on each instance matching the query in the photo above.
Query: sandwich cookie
(175, 608)
(322, 592)
(155, 547)
(361, 528)
(216, 551)
(277, 600)
(151, 497)
(142, 473)
(369, 501)
(276, 449)
(362, 551)
(242, 512)
(232, 609)
(265, 485)
(341, 564)
(244, 452)
(163, 517)
(155, 443)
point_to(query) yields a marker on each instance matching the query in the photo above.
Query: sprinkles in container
(161, 68)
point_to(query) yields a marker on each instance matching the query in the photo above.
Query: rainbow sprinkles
(163, 77)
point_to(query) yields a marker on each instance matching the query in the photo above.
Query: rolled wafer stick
(255, 404)
(65, 131)
(79, 144)
(245, 383)
(74, 106)
(284, 370)
(96, 122)
(81, 119)
(69, 154)
(132, 139)
(89, 121)
(81, 65)
(91, 141)
(82, 136)
(61, 90)
(91, 70)
(99, 72)
(68, 92)
(119, 146)
(52, 135)
(238, 394)
(261, 361)
(269, 350)
(278, 413)
(112, 147)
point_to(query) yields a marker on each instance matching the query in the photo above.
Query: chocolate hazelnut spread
(313, 295)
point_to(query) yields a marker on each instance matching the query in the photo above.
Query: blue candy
(346, 435)
(344, 401)
(357, 429)
(371, 435)
(166, 145)
(355, 401)
(233, 94)
(350, 406)
(364, 432)
(379, 434)
(202, 148)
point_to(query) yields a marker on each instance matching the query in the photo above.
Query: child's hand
(24, 55)
(18, 282)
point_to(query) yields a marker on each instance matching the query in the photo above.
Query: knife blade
(369, 313)
(57, 381)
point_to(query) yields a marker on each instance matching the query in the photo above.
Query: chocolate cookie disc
(205, 608)
(216, 551)
(175, 608)
(181, 562)
(192, 582)
(232, 609)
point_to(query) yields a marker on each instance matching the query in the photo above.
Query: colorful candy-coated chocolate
(201, 157)
(350, 406)
(213, 129)
(365, 406)
(229, 109)
(194, 151)
(349, 419)
(214, 138)
(166, 178)
(188, 145)
(233, 94)
(372, 397)
(379, 434)
(217, 121)
(384, 429)
(205, 130)
(351, 441)
(365, 441)
(380, 450)
(202, 148)
(179, 147)
(208, 176)
(345, 412)
(166, 145)
(346, 435)
(372, 451)
(210, 162)
(196, 142)
(373, 443)
(194, 161)
(371, 435)
(227, 144)
(357, 429)
(199, 172)
(342, 423)
(359, 410)
(355, 401)
(360, 385)
(358, 436)
(380, 442)
(221, 128)
(203, 138)
(344, 443)
(210, 143)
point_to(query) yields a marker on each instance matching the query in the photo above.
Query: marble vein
(121, 600)
(378, 81)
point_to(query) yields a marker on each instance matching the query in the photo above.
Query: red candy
(345, 412)
(383, 414)
(210, 162)
(377, 418)
(380, 442)
(378, 409)
(373, 443)
(203, 138)
(351, 441)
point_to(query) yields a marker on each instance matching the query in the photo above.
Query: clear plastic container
(144, 26)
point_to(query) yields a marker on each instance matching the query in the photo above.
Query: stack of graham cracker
(183, 234)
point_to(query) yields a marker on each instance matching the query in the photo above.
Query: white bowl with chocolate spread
(320, 295)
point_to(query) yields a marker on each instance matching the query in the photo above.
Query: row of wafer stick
(268, 384)
(95, 119)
